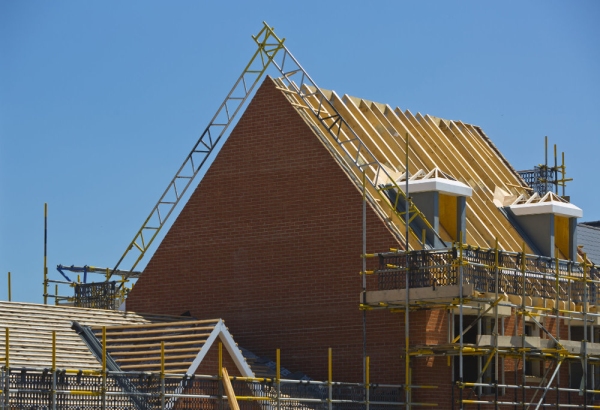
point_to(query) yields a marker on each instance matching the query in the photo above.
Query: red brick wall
(210, 363)
(270, 241)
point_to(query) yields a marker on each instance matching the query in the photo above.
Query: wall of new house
(210, 363)
(270, 241)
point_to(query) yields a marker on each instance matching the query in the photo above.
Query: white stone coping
(556, 208)
(443, 186)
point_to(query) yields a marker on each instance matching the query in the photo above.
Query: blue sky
(100, 102)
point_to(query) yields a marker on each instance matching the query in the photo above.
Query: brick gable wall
(270, 241)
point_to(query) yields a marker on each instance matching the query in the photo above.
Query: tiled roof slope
(31, 327)
(588, 235)
(458, 149)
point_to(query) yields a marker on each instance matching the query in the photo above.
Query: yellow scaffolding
(530, 290)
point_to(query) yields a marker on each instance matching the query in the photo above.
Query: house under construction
(398, 252)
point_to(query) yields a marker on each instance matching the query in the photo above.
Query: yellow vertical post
(9, 290)
(460, 319)
(45, 254)
(278, 375)
(523, 311)
(557, 307)
(54, 375)
(563, 172)
(278, 365)
(220, 360)
(162, 359)
(330, 366)
(423, 237)
(407, 285)
(496, 331)
(103, 389)
(367, 381)
(585, 326)
(330, 377)
(368, 371)
(53, 350)
(7, 348)
(162, 374)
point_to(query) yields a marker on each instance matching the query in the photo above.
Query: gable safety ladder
(268, 46)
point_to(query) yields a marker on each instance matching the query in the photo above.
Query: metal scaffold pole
(408, 378)
(45, 254)
(364, 275)
(496, 325)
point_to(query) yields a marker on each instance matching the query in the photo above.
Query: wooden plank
(391, 156)
(504, 175)
(233, 404)
(463, 170)
(73, 313)
(154, 325)
(154, 358)
(151, 366)
(152, 352)
(358, 129)
(141, 346)
(496, 220)
(117, 335)
(149, 339)
(425, 143)
(396, 139)
(507, 170)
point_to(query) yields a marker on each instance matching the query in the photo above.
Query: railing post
(460, 321)
(330, 379)
(6, 388)
(523, 315)
(367, 382)
(585, 333)
(220, 378)
(103, 392)
(162, 375)
(278, 375)
(7, 368)
(496, 325)
(53, 391)
(45, 254)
